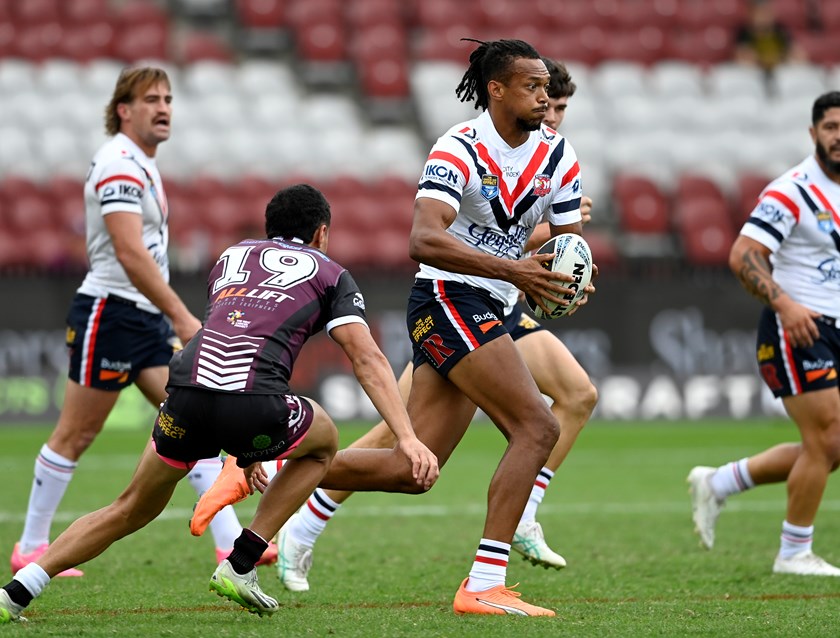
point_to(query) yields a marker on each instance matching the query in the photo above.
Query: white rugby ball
(571, 257)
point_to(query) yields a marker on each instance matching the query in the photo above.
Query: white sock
(732, 478)
(312, 518)
(489, 568)
(795, 539)
(52, 475)
(537, 494)
(225, 525)
(272, 467)
(33, 577)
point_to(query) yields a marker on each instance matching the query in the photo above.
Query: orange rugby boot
(229, 488)
(496, 600)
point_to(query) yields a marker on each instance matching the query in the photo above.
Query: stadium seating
(299, 89)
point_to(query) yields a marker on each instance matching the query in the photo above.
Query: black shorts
(519, 324)
(447, 320)
(196, 424)
(111, 341)
(789, 371)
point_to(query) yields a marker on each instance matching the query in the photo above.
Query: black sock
(18, 593)
(247, 550)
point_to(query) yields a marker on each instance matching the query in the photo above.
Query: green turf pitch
(388, 565)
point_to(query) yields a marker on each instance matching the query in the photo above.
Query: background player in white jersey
(117, 329)
(229, 389)
(555, 370)
(788, 256)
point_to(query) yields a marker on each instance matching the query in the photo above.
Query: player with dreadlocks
(486, 184)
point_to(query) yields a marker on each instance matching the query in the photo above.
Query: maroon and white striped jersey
(265, 299)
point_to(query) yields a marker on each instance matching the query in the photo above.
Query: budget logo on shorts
(542, 185)
(489, 186)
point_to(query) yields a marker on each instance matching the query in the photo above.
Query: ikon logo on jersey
(542, 185)
(131, 191)
(441, 174)
(489, 186)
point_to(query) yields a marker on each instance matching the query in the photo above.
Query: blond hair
(131, 83)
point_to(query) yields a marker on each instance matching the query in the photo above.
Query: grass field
(389, 565)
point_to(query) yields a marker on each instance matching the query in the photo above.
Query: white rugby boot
(293, 560)
(243, 589)
(705, 506)
(9, 610)
(805, 563)
(529, 541)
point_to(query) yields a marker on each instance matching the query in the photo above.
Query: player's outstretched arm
(377, 379)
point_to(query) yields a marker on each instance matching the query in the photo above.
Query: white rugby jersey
(500, 193)
(798, 218)
(122, 178)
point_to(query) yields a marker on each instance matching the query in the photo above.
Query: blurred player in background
(229, 389)
(788, 256)
(487, 183)
(117, 328)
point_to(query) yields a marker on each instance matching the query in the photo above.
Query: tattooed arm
(750, 262)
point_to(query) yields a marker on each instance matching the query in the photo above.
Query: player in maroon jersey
(228, 389)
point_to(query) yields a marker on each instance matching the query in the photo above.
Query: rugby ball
(571, 257)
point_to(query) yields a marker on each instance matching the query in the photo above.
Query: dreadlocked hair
(490, 61)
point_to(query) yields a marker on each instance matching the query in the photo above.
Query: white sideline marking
(416, 511)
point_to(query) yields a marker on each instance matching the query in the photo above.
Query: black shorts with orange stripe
(447, 320)
(110, 341)
(789, 371)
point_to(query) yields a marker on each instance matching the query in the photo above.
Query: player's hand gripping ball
(571, 257)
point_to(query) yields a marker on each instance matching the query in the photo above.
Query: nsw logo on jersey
(824, 221)
(490, 186)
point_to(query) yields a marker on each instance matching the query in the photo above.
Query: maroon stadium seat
(38, 41)
(705, 46)
(85, 11)
(792, 13)
(691, 186)
(440, 14)
(87, 42)
(365, 13)
(143, 32)
(604, 251)
(204, 46)
(37, 11)
(749, 188)
(642, 207)
(261, 13)
(322, 41)
(706, 231)
(644, 45)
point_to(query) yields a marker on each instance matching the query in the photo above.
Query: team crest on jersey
(542, 185)
(824, 221)
(490, 186)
